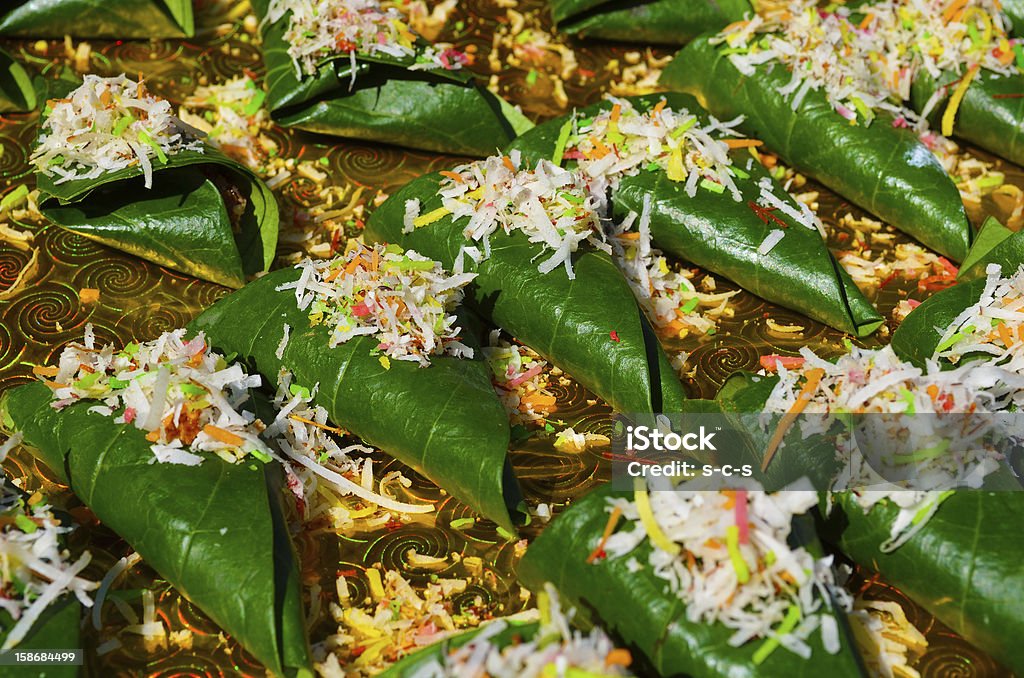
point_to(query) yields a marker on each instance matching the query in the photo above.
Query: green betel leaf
(215, 531)
(58, 628)
(591, 327)
(716, 232)
(437, 110)
(422, 660)
(640, 608)
(885, 170)
(17, 94)
(122, 19)
(667, 22)
(985, 117)
(444, 420)
(963, 566)
(182, 222)
(1014, 9)
(918, 335)
(995, 244)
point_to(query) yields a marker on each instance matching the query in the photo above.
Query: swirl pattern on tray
(138, 301)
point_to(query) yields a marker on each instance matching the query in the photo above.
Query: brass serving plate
(41, 312)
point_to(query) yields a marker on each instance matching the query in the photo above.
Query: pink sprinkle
(532, 372)
(913, 303)
(129, 415)
(741, 516)
(900, 122)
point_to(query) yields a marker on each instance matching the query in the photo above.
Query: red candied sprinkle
(614, 335)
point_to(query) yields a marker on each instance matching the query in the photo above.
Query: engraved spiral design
(139, 300)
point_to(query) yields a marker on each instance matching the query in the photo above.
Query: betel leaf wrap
(964, 566)
(666, 22)
(215, 531)
(640, 609)
(58, 628)
(438, 110)
(714, 231)
(590, 326)
(918, 336)
(116, 19)
(444, 420)
(182, 222)
(986, 116)
(883, 169)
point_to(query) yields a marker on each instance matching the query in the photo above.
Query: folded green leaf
(995, 244)
(215, 531)
(918, 335)
(121, 19)
(417, 662)
(885, 170)
(440, 110)
(58, 628)
(964, 566)
(1014, 9)
(668, 22)
(640, 608)
(444, 420)
(591, 327)
(716, 232)
(16, 92)
(183, 222)
(991, 114)
(741, 403)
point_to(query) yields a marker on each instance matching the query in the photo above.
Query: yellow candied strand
(657, 537)
(430, 217)
(949, 116)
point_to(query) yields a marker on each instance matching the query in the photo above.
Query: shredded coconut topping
(402, 299)
(866, 61)
(726, 554)
(622, 141)
(550, 205)
(321, 29)
(991, 329)
(108, 124)
(233, 117)
(936, 425)
(35, 569)
(186, 397)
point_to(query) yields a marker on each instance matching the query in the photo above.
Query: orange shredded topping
(454, 176)
(220, 435)
(810, 386)
(508, 163)
(609, 527)
(618, 657)
(332, 429)
(42, 371)
(743, 143)
(1005, 334)
(952, 10)
(88, 295)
